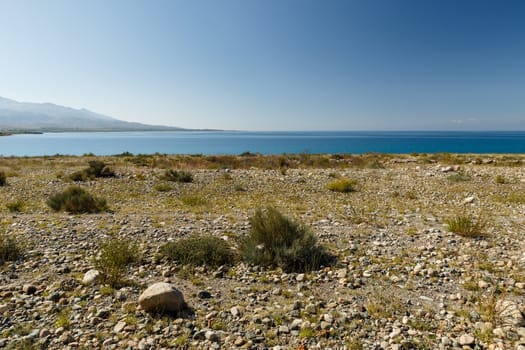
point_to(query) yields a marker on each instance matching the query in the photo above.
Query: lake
(233, 142)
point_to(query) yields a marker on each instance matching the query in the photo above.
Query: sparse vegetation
(115, 256)
(500, 179)
(177, 176)
(95, 169)
(15, 207)
(10, 249)
(342, 185)
(199, 250)
(459, 177)
(193, 201)
(275, 240)
(466, 226)
(162, 188)
(76, 200)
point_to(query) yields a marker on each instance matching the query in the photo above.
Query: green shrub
(15, 207)
(459, 177)
(3, 178)
(466, 226)
(342, 185)
(500, 179)
(193, 201)
(76, 200)
(96, 169)
(199, 250)
(115, 256)
(10, 250)
(162, 188)
(277, 241)
(177, 176)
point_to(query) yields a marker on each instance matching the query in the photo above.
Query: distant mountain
(47, 117)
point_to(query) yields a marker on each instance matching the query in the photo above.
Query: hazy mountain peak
(48, 116)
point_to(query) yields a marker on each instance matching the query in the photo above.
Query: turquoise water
(212, 142)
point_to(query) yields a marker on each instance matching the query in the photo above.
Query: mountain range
(48, 117)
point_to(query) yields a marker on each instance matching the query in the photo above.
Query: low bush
(193, 201)
(15, 207)
(277, 241)
(199, 250)
(459, 177)
(342, 185)
(162, 188)
(96, 169)
(177, 176)
(115, 256)
(3, 178)
(10, 249)
(76, 200)
(466, 226)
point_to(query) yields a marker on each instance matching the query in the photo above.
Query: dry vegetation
(424, 247)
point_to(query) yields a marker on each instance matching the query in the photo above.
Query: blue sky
(272, 64)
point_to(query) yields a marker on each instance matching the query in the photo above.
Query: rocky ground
(401, 280)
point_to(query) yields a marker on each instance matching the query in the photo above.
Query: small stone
(482, 284)
(300, 277)
(235, 311)
(466, 339)
(90, 277)
(204, 294)
(296, 324)
(469, 200)
(119, 327)
(211, 336)
(284, 330)
(29, 289)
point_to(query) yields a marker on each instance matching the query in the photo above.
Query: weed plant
(277, 241)
(115, 256)
(459, 177)
(197, 250)
(343, 185)
(178, 176)
(10, 250)
(96, 169)
(466, 226)
(15, 207)
(76, 200)
(3, 178)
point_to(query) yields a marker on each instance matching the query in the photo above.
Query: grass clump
(199, 250)
(459, 177)
(162, 188)
(193, 201)
(95, 169)
(466, 226)
(76, 200)
(343, 185)
(115, 256)
(177, 176)
(15, 207)
(277, 241)
(10, 250)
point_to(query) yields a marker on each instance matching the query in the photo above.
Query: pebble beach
(401, 279)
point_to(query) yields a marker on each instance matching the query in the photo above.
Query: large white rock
(90, 277)
(162, 297)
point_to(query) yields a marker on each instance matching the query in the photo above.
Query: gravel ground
(401, 280)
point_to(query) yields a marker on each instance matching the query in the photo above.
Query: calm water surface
(212, 142)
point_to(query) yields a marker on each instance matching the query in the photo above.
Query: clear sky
(272, 64)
